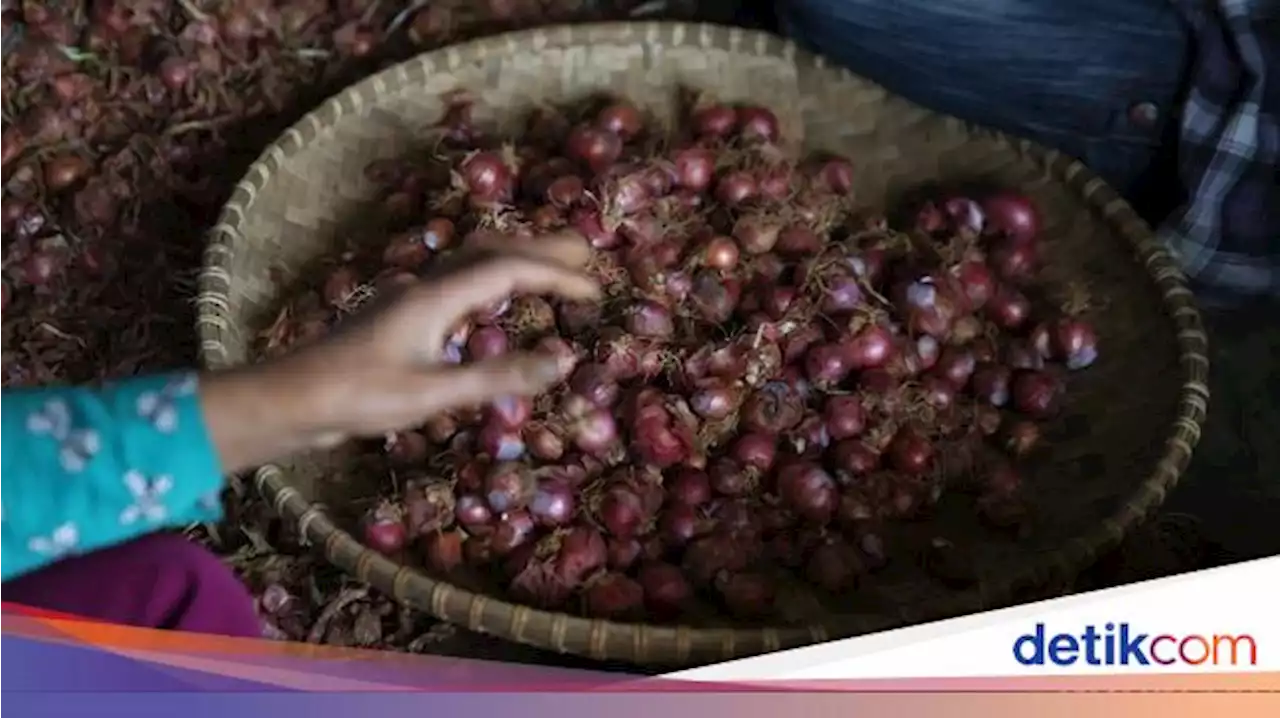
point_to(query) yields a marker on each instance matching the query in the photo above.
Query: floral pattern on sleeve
(87, 468)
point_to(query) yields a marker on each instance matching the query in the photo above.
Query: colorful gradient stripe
(60, 665)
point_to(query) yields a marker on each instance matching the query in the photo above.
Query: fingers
(513, 375)
(490, 281)
(566, 248)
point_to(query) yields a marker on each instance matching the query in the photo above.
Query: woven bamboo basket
(1127, 435)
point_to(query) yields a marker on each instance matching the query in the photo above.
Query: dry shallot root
(774, 378)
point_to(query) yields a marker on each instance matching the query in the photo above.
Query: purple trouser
(158, 581)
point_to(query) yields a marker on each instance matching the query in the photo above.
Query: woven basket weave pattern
(1132, 420)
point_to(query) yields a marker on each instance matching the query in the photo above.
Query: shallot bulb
(747, 595)
(500, 442)
(827, 365)
(597, 148)
(1012, 215)
(667, 592)
(844, 417)
(552, 503)
(717, 399)
(582, 551)
(965, 214)
(595, 432)
(690, 487)
(1074, 342)
(1037, 393)
(614, 596)
(650, 319)
(910, 452)
(755, 450)
(508, 487)
(808, 491)
(487, 177)
(384, 529)
(870, 347)
(622, 512)
(694, 168)
(757, 123)
(714, 120)
(835, 566)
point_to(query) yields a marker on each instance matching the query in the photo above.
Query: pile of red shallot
(775, 378)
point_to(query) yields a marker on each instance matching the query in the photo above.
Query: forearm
(252, 416)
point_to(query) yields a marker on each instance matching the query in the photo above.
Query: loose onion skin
(443, 551)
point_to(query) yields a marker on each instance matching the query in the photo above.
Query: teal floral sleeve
(86, 468)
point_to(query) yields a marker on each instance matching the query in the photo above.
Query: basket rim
(684, 645)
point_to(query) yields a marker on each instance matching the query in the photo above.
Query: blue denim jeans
(1070, 74)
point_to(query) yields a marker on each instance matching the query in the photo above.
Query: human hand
(383, 369)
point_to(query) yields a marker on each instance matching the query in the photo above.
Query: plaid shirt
(1227, 236)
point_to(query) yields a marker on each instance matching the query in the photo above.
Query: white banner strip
(1218, 620)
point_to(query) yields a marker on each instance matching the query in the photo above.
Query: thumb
(510, 375)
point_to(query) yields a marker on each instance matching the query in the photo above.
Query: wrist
(261, 413)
